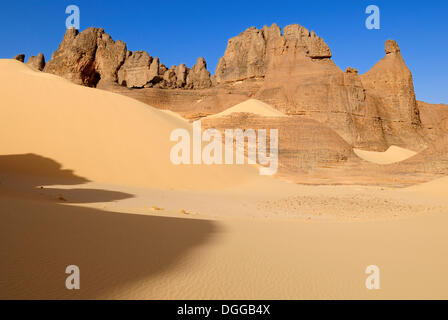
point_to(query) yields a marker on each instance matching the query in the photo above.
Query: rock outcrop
(434, 118)
(141, 70)
(249, 54)
(37, 62)
(75, 57)
(301, 80)
(303, 145)
(351, 70)
(92, 58)
(390, 85)
(87, 57)
(109, 56)
(365, 113)
(20, 57)
(136, 71)
(198, 77)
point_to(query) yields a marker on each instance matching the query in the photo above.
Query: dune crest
(254, 106)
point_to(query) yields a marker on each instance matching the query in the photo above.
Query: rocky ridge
(92, 58)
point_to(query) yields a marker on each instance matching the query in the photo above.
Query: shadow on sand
(26, 174)
(39, 238)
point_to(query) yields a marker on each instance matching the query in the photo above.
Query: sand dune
(173, 114)
(96, 133)
(251, 106)
(392, 155)
(437, 188)
(160, 256)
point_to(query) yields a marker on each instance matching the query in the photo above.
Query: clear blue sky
(181, 31)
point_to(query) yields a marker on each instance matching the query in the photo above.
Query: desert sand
(253, 106)
(437, 188)
(84, 129)
(392, 155)
(85, 179)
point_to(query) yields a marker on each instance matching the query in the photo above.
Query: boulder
(351, 70)
(37, 62)
(20, 57)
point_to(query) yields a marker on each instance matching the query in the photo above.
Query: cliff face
(249, 54)
(390, 85)
(291, 69)
(299, 78)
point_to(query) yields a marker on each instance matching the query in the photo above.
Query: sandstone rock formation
(181, 75)
(390, 85)
(109, 56)
(37, 62)
(136, 71)
(351, 70)
(92, 58)
(75, 57)
(433, 160)
(313, 87)
(141, 70)
(300, 147)
(20, 57)
(434, 118)
(292, 71)
(367, 115)
(87, 57)
(198, 77)
(248, 55)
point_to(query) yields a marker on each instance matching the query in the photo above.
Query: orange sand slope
(96, 133)
(392, 155)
